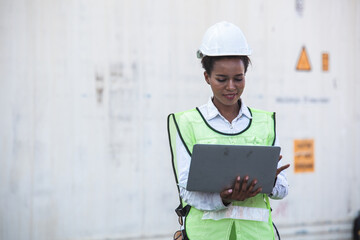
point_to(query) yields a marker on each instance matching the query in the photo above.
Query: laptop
(214, 167)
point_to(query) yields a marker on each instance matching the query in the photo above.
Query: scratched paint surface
(86, 86)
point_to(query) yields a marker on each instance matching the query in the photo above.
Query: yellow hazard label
(304, 155)
(325, 62)
(303, 62)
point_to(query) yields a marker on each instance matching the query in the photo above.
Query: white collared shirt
(212, 201)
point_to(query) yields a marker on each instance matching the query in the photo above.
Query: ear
(207, 77)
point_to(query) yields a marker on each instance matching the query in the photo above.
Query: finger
(252, 185)
(237, 184)
(244, 184)
(257, 191)
(280, 157)
(282, 168)
(226, 193)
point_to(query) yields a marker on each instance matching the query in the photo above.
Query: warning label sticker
(303, 155)
(325, 62)
(303, 62)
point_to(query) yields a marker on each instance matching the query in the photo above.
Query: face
(227, 81)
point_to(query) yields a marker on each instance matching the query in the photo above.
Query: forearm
(281, 188)
(202, 201)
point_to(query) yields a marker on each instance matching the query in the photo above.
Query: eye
(238, 79)
(221, 79)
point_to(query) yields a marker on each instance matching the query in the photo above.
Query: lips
(230, 96)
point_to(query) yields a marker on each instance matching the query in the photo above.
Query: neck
(229, 112)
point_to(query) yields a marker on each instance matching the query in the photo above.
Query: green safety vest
(255, 212)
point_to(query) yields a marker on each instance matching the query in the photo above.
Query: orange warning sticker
(304, 155)
(325, 62)
(303, 62)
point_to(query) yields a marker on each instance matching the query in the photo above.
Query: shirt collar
(213, 112)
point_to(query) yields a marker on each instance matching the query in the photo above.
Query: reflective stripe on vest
(239, 212)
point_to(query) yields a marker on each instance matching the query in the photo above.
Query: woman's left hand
(282, 168)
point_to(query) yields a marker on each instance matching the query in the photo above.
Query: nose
(230, 85)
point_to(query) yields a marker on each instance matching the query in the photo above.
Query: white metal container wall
(86, 86)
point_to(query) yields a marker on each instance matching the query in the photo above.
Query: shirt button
(231, 127)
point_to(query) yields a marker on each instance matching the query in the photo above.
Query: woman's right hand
(241, 191)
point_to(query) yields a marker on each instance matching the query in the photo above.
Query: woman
(240, 212)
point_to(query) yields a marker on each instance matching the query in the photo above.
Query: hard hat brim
(201, 54)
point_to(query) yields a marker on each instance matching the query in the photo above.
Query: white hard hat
(224, 39)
